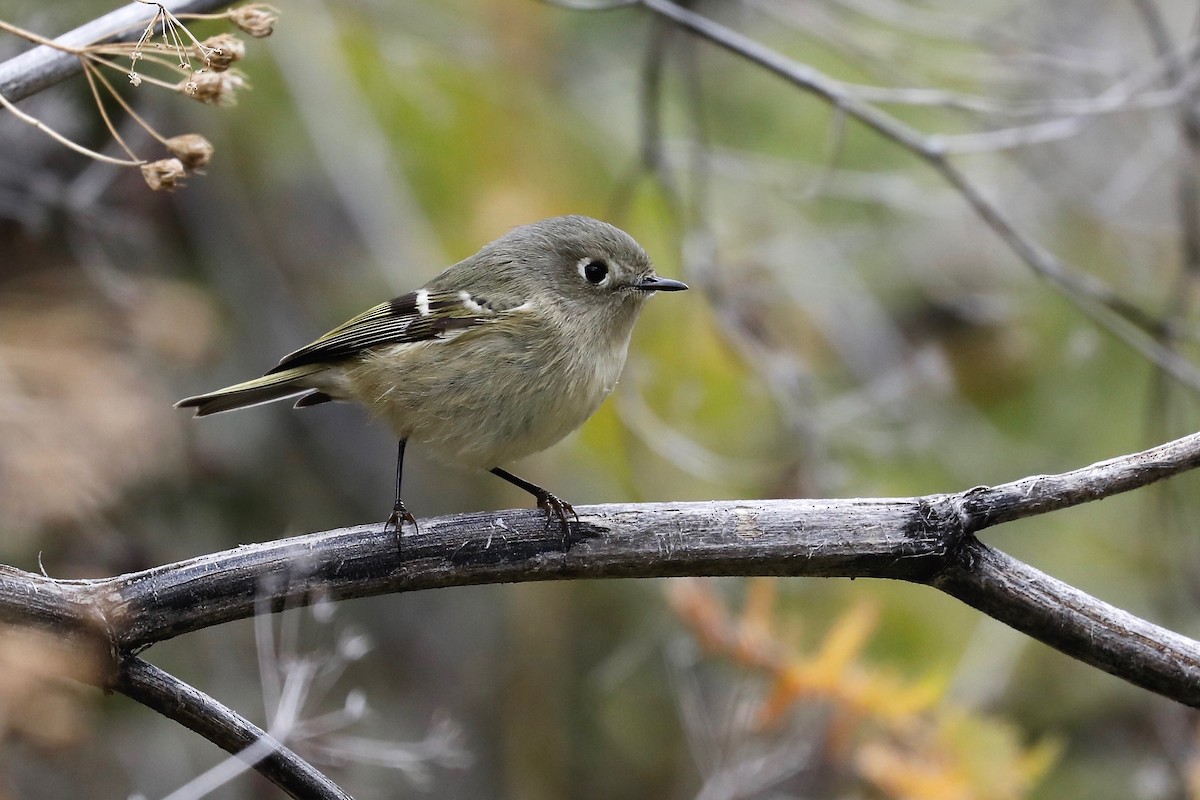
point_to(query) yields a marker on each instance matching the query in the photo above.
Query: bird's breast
(494, 395)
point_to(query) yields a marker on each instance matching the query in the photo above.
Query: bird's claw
(556, 507)
(400, 515)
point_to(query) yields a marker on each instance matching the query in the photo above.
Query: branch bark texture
(928, 540)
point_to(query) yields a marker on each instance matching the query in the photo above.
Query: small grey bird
(499, 356)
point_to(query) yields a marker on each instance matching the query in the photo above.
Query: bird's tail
(276, 386)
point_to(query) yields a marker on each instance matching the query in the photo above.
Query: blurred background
(854, 329)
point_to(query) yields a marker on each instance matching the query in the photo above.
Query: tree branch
(171, 697)
(928, 540)
(855, 538)
(1075, 623)
(987, 506)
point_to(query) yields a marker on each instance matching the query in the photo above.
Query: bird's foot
(399, 516)
(555, 507)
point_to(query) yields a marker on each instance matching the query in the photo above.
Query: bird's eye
(594, 271)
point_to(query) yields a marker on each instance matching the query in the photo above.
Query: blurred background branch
(198, 712)
(1106, 307)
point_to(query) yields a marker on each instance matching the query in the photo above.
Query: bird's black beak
(653, 283)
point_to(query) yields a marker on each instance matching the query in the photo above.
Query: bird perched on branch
(499, 356)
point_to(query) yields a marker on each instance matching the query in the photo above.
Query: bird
(499, 356)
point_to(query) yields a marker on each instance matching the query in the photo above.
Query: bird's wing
(415, 317)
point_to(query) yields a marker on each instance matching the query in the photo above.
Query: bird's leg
(400, 514)
(553, 506)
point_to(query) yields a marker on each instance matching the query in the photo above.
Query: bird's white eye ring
(594, 270)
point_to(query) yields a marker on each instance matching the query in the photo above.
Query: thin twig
(1187, 192)
(1088, 294)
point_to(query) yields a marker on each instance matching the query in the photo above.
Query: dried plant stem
(8, 27)
(63, 140)
(30, 72)
(125, 106)
(145, 78)
(91, 73)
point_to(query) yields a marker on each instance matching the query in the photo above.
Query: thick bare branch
(1075, 623)
(925, 540)
(846, 538)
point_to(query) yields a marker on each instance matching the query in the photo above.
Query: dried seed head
(192, 149)
(222, 50)
(215, 88)
(256, 19)
(164, 175)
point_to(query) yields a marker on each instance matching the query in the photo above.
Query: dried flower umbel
(192, 149)
(214, 88)
(256, 19)
(167, 55)
(164, 175)
(222, 50)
